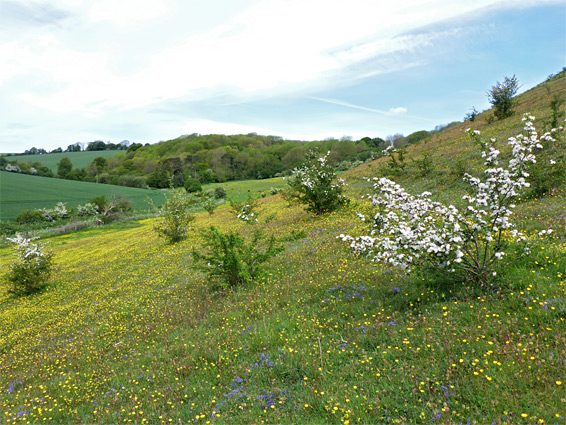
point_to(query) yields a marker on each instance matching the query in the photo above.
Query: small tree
(501, 97)
(64, 167)
(245, 211)
(175, 216)
(193, 185)
(231, 261)
(32, 268)
(410, 231)
(313, 185)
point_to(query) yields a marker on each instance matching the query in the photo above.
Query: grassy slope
(127, 332)
(22, 191)
(78, 159)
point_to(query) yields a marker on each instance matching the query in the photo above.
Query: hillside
(128, 331)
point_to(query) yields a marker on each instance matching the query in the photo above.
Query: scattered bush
(29, 216)
(193, 185)
(501, 97)
(230, 261)
(31, 269)
(175, 215)
(413, 231)
(245, 211)
(209, 204)
(220, 192)
(312, 185)
(87, 209)
(396, 163)
(424, 164)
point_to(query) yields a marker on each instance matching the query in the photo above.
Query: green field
(78, 159)
(23, 192)
(239, 191)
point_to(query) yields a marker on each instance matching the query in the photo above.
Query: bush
(101, 202)
(31, 269)
(501, 97)
(312, 185)
(193, 185)
(230, 261)
(245, 211)
(413, 231)
(209, 204)
(29, 216)
(175, 216)
(87, 209)
(220, 192)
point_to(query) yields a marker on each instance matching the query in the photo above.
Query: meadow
(23, 191)
(78, 159)
(128, 332)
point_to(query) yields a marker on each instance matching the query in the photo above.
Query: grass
(128, 332)
(78, 159)
(238, 191)
(21, 192)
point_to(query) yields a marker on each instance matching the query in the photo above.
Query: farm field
(22, 191)
(79, 159)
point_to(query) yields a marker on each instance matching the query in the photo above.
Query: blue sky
(150, 70)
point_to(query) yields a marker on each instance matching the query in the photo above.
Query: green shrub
(175, 216)
(220, 192)
(501, 97)
(31, 269)
(193, 185)
(29, 216)
(230, 261)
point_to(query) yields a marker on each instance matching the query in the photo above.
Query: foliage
(64, 167)
(87, 209)
(424, 164)
(555, 105)
(245, 211)
(396, 163)
(413, 231)
(549, 171)
(501, 97)
(471, 116)
(32, 268)
(209, 204)
(175, 216)
(193, 185)
(29, 216)
(313, 185)
(220, 192)
(231, 261)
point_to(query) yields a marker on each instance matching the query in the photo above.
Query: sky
(151, 70)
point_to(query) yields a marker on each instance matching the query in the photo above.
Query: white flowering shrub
(87, 209)
(315, 185)
(12, 168)
(58, 213)
(413, 231)
(32, 267)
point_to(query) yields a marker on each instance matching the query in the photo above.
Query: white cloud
(397, 111)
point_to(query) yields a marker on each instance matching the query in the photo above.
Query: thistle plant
(32, 268)
(409, 231)
(314, 185)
